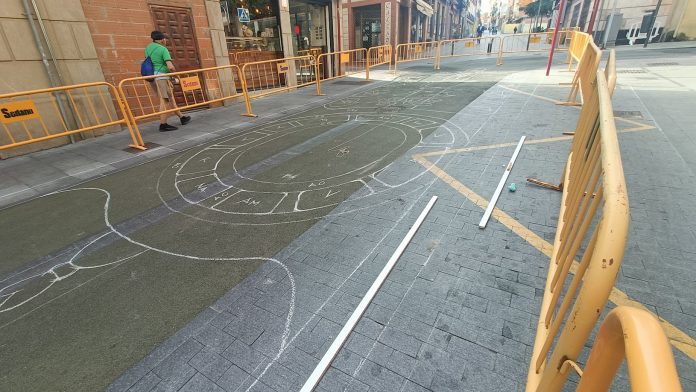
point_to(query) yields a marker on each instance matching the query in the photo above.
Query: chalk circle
(222, 183)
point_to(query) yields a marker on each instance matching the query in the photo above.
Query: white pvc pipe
(326, 360)
(496, 194)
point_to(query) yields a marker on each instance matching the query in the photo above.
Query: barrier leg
(437, 56)
(247, 100)
(500, 52)
(318, 78)
(132, 125)
(367, 66)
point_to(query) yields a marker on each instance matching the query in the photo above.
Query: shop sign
(345, 57)
(190, 83)
(283, 67)
(243, 14)
(11, 112)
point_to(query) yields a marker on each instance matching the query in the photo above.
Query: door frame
(189, 10)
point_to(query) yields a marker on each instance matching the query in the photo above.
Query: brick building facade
(121, 29)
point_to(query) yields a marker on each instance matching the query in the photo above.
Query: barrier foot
(545, 184)
(137, 147)
(569, 133)
(249, 115)
(321, 95)
(568, 103)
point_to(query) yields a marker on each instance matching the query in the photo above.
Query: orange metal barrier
(585, 73)
(465, 47)
(340, 64)
(593, 226)
(239, 58)
(416, 51)
(634, 334)
(577, 46)
(35, 116)
(610, 77)
(378, 55)
(531, 42)
(315, 52)
(273, 76)
(190, 89)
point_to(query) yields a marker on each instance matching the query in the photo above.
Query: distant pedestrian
(162, 62)
(514, 31)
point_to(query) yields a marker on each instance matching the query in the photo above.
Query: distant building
(676, 18)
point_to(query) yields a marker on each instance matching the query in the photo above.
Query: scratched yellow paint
(677, 338)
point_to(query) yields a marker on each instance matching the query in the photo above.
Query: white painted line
(501, 184)
(325, 362)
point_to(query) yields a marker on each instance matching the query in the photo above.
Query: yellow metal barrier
(314, 52)
(610, 77)
(239, 58)
(340, 64)
(263, 78)
(585, 73)
(185, 89)
(577, 46)
(634, 334)
(35, 116)
(378, 55)
(531, 42)
(593, 226)
(466, 47)
(416, 51)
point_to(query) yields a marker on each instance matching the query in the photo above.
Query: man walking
(162, 63)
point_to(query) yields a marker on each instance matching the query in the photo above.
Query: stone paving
(459, 310)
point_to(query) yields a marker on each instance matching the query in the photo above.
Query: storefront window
(251, 25)
(309, 27)
(368, 26)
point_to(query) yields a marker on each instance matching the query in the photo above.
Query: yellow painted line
(677, 338)
(532, 95)
(526, 142)
(557, 102)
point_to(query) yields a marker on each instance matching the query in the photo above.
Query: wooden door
(177, 25)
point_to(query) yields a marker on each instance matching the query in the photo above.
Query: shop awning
(424, 8)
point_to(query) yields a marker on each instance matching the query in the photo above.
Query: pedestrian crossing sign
(243, 14)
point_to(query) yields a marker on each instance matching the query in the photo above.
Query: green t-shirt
(159, 56)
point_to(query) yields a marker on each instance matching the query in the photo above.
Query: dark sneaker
(167, 128)
(185, 120)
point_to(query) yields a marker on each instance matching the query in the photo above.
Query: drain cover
(352, 82)
(628, 113)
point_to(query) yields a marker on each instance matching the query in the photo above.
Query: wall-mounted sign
(190, 83)
(283, 68)
(11, 112)
(243, 15)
